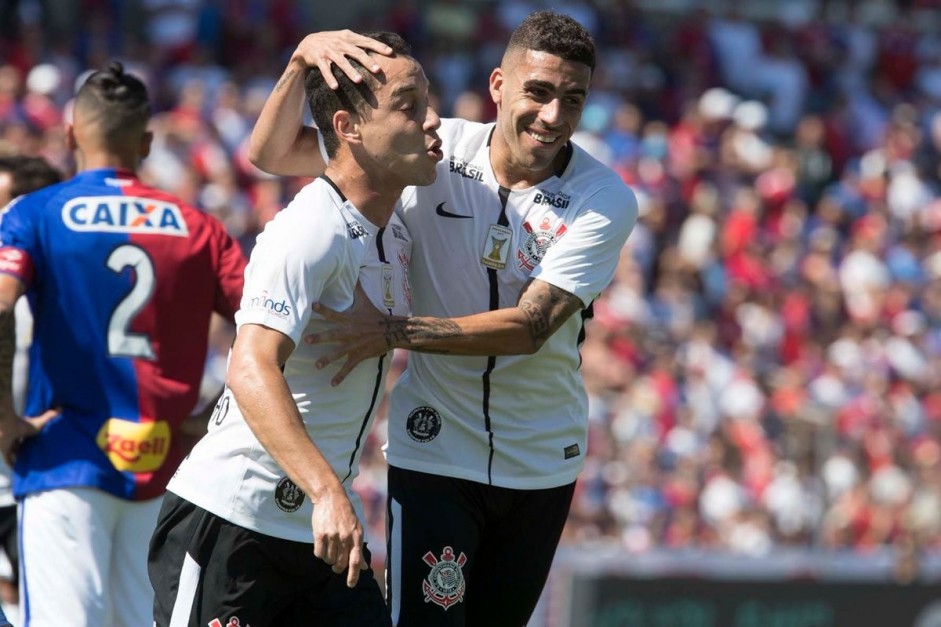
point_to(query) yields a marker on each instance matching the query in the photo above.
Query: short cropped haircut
(349, 96)
(557, 34)
(117, 103)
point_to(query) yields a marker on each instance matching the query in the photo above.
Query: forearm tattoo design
(544, 308)
(412, 331)
(284, 80)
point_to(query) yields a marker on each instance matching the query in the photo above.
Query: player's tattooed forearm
(435, 328)
(285, 79)
(413, 332)
(545, 308)
(538, 316)
(395, 332)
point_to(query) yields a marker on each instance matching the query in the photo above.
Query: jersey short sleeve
(288, 268)
(583, 262)
(20, 247)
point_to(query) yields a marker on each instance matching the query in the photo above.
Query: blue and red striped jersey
(122, 280)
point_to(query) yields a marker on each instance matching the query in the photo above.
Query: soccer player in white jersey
(488, 425)
(260, 526)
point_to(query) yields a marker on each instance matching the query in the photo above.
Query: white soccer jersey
(314, 250)
(517, 421)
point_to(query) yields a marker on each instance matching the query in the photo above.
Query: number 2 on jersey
(121, 341)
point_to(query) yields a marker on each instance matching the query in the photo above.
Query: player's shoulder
(315, 213)
(586, 170)
(41, 197)
(597, 185)
(319, 203)
(164, 198)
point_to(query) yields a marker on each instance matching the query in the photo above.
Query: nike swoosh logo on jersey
(447, 214)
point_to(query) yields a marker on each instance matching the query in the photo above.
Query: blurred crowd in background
(765, 369)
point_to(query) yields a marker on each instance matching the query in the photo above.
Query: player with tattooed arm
(488, 424)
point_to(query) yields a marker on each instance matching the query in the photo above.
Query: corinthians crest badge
(444, 585)
(537, 243)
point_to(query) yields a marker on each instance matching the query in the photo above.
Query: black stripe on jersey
(587, 314)
(372, 403)
(380, 245)
(381, 250)
(504, 193)
(334, 186)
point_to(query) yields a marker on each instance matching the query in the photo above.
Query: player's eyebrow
(535, 83)
(402, 89)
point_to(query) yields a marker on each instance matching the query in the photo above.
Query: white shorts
(83, 559)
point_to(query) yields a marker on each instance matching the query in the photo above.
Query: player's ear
(346, 127)
(70, 137)
(496, 85)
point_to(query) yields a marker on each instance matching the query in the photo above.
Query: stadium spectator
(122, 281)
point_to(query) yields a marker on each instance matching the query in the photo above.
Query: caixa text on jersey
(123, 214)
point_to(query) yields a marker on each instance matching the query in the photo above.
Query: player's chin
(424, 171)
(428, 177)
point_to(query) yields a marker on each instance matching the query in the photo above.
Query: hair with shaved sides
(116, 104)
(557, 34)
(353, 97)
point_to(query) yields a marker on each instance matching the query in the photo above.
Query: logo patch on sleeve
(571, 451)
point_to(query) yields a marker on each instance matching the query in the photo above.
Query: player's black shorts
(465, 553)
(213, 572)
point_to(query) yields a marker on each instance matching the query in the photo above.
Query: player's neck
(371, 200)
(514, 175)
(97, 160)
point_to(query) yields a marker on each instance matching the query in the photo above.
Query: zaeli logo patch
(135, 446)
(444, 585)
(233, 622)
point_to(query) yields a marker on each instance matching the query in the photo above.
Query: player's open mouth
(434, 151)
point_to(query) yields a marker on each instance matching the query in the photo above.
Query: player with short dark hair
(488, 425)
(265, 499)
(122, 280)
